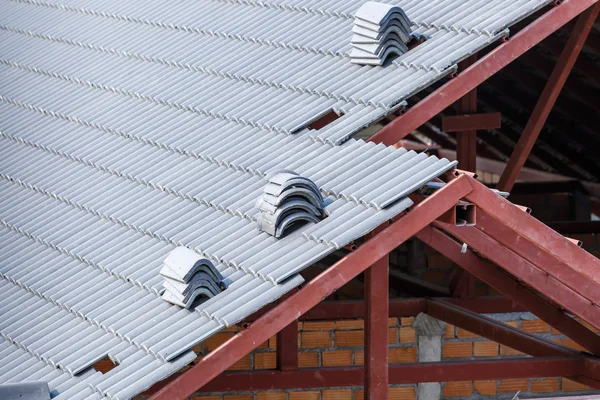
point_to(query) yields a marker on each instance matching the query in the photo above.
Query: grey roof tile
(104, 173)
(25, 390)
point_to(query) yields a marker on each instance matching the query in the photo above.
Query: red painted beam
(376, 327)
(506, 285)
(536, 232)
(526, 272)
(487, 66)
(316, 290)
(496, 331)
(543, 260)
(548, 98)
(466, 139)
(351, 309)
(507, 335)
(472, 122)
(399, 374)
(287, 348)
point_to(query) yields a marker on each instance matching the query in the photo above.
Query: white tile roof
(129, 128)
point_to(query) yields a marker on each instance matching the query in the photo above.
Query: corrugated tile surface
(130, 128)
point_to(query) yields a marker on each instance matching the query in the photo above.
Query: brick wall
(339, 343)
(460, 344)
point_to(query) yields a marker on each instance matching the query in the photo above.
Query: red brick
(555, 331)
(359, 357)
(318, 326)
(572, 344)
(238, 397)
(458, 349)
(350, 324)
(216, 340)
(537, 326)
(265, 360)
(336, 358)
(485, 349)
(547, 385)
(402, 355)
(507, 351)
(487, 388)
(456, 389)
(273, 342)
(359, 394)
(408, 335)
(205, 398)
(393, 335)
(309, 395)
(349, 338)
(449, 331)
(392, 321)
(317, 339)
(271, 396)
(243, 364)
(407, 321)
(590, 327)
(572, 386)
(401, 393)
(512, 385)
(308, 359)
(336, 394)
(464, 334)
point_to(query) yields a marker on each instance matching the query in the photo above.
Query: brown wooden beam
(471, 122)
(548, 97)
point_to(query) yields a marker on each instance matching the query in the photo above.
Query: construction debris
(288, 200)
(189, 276)
(380, 30)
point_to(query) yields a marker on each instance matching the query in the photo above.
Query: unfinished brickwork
(340, 343)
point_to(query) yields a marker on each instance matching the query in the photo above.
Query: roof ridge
(203, 70)
(173, 27)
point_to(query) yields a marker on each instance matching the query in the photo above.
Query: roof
(567, 142)
(129, 128)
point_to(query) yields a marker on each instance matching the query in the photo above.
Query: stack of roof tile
(287, 201)
(189, 276)
(380, 30)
